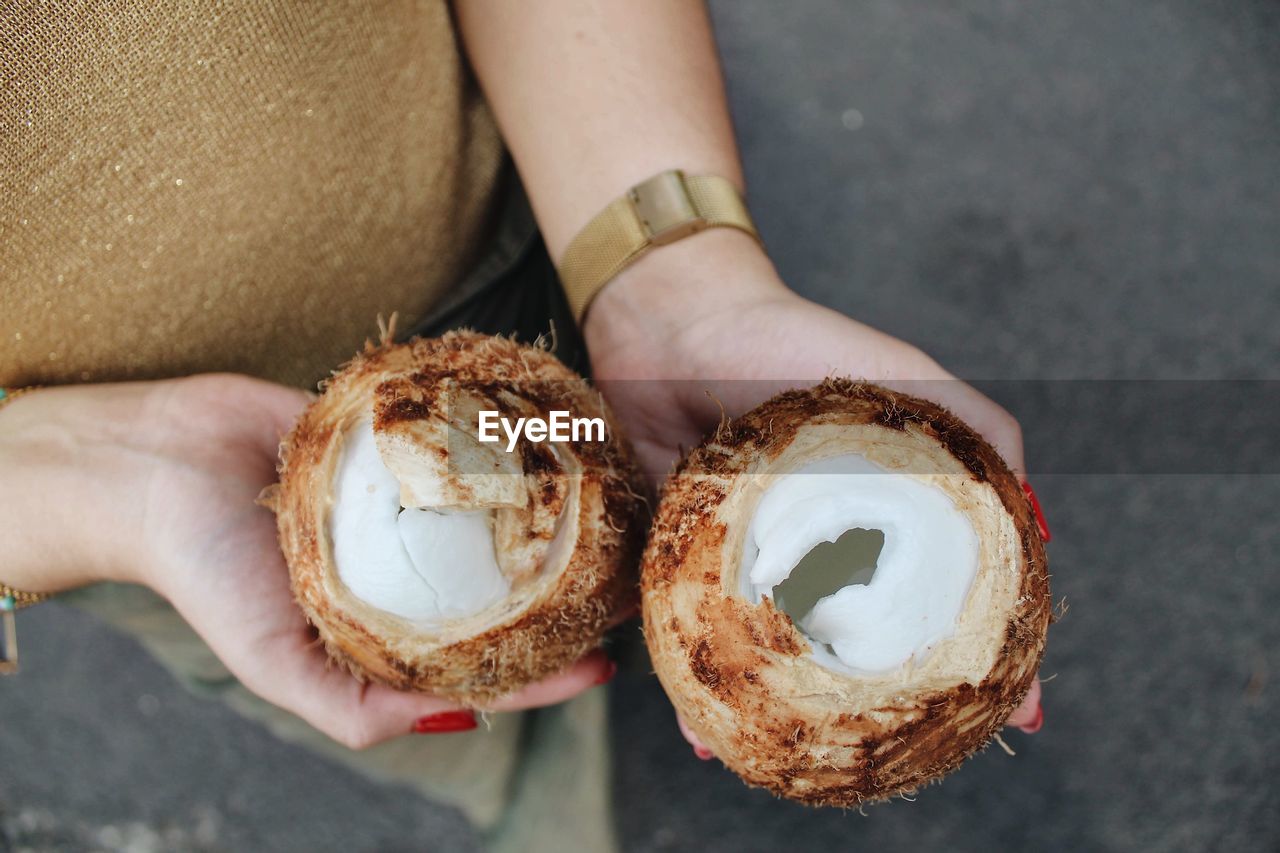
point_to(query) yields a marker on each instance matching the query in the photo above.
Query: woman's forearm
(594, 96)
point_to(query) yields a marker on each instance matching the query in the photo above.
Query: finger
(989, 419)
(1030, 715)
(301, 680)
(699, 748)
(592, 670)
(994, 423)
(272, 409)
(283, 406)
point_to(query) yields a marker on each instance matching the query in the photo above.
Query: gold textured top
(189, 186)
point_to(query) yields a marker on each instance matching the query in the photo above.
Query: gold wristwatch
(660, 210)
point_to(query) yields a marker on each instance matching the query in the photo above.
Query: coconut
(845, 593)
(429, 560)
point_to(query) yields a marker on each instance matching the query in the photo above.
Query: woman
(215, 205)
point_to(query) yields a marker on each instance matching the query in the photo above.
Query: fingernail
(447, 721)
(607, 674)
(1034, 726)
(1035, 505)
(703, 753)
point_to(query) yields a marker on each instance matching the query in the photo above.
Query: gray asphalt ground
(1081, 190)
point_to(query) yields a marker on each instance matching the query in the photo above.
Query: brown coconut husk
(562, 598)
(740, 674)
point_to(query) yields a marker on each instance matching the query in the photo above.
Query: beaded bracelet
(12, 599)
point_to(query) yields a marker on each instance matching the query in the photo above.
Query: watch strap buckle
(665, 209)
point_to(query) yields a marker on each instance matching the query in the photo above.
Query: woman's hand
(676, 336)
(156, 483)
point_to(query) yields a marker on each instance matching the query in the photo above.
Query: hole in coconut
(850, 560)
(854, 519)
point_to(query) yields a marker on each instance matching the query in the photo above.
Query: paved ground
(1083, 190)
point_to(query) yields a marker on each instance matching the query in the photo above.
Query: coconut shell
(741, 675)
(422, 397)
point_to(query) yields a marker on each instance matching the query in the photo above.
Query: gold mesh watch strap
(661, 210)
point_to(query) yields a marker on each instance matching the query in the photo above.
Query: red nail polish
(1034, 726)
(1035, 505)
(703, 753)
(610, 670)
(447, 721)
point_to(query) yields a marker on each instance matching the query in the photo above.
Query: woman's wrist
(663, 297)
(73, 494)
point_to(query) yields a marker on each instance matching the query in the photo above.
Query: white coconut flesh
(424, 564)
(891, 608)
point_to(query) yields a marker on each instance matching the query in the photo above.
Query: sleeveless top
(242, 186)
